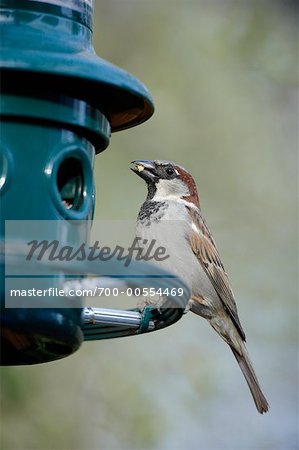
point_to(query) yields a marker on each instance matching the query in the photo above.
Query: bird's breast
(171, 232)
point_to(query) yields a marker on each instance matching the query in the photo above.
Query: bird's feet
(156, 302)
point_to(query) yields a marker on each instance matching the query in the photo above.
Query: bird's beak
(145, 169)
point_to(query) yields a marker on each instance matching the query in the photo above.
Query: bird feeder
(59, 104)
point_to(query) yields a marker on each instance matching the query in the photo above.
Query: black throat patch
(151, 190)
(151, 211)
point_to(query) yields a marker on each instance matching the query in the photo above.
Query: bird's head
(166, 181)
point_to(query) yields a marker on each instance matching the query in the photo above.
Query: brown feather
(205, 249)
(246, 366)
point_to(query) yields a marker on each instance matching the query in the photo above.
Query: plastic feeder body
(59, 104)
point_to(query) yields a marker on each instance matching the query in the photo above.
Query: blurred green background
(223, 75)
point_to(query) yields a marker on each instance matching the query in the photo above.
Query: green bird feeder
(59, 104)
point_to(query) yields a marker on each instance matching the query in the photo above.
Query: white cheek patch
(174, 189)
(139, 167)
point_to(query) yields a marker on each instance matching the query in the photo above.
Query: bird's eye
(169, 171)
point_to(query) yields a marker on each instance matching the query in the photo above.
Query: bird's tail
(246, 366)
(226, 329)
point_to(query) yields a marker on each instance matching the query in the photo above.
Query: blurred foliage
(223, 75)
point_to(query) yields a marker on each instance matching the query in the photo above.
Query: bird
(171, 215)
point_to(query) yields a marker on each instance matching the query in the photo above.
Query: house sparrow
(171, 215)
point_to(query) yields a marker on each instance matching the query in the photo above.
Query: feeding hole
(70, 183)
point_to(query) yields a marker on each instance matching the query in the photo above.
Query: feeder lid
(40, 55)
(124, 100)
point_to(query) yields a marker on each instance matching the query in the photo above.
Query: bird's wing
(205, 249)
